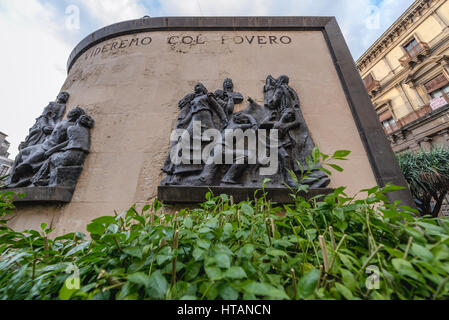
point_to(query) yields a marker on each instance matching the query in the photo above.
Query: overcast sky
(37, 37)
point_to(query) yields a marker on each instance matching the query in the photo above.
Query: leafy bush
(427, 174)
(316, 249)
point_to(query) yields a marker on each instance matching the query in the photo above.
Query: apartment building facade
(5, 162)
(406, 73)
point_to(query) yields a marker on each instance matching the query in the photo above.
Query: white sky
(36, 42)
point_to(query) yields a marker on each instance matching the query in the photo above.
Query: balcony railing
(414, 53)
(372, 85)
(415, 115)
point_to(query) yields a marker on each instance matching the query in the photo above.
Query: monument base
(195, 195)
(43, 194)
(65, 176)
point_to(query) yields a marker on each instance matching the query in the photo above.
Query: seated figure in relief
(70, 153)
(30, 159)
(46, 123)
(242, 121)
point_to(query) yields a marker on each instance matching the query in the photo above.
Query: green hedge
(327, 248)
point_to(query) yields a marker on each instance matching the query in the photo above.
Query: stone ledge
(43, 194)
(195, 195)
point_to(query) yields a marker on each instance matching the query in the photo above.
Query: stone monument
(53, 154)
(149, 82)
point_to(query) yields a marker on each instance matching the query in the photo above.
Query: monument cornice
(145, 24)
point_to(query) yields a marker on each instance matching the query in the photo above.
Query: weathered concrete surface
(42, 195)
(133, 94)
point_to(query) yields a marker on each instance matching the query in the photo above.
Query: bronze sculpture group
(54, 152)
(281, 111)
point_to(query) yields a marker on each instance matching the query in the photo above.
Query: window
(389, 125)
(438, 87)
(412, 48)
(442, 92)
(436, 83)
(4, 170)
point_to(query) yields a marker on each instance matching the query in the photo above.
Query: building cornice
(404, 75)
(413, 14)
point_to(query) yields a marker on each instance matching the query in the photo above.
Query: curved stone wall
(131, 85)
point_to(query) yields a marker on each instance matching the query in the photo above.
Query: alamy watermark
(233, 146)
(73, 282)
(372, 22)
(72, 21)
(373, 281)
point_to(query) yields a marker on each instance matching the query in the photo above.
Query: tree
(427, 174)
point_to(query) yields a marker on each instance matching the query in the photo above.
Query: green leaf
(312, 233)
(158, 285)
(66, 293)
(188, 223)
(214, 273)
(163, 258)
(104, 220)
(405, 268)
(341, 154)
(204, 230)
(345, 292)
(236, 273)
(441, 252)
(204, 244)
(247, 209)
(96, 228)
(339, 213)
(209, 291)
(247, 251)
(335, 167)
(422, 252)
(83, 246)
(140, 279)
(192, 271)
(188, 298)
(140, 219)
(308, 283)
(348, 279)
(213, 224)
(316, 154)
(391, 188)
(134, 251)
(265, 290)
(276, 253)
(228, 293)
(223, 261)
(198, 254)
(228, 228)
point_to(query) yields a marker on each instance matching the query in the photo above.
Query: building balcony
(372, 86)
(413, 116)
(415, 54)
(391, 129)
